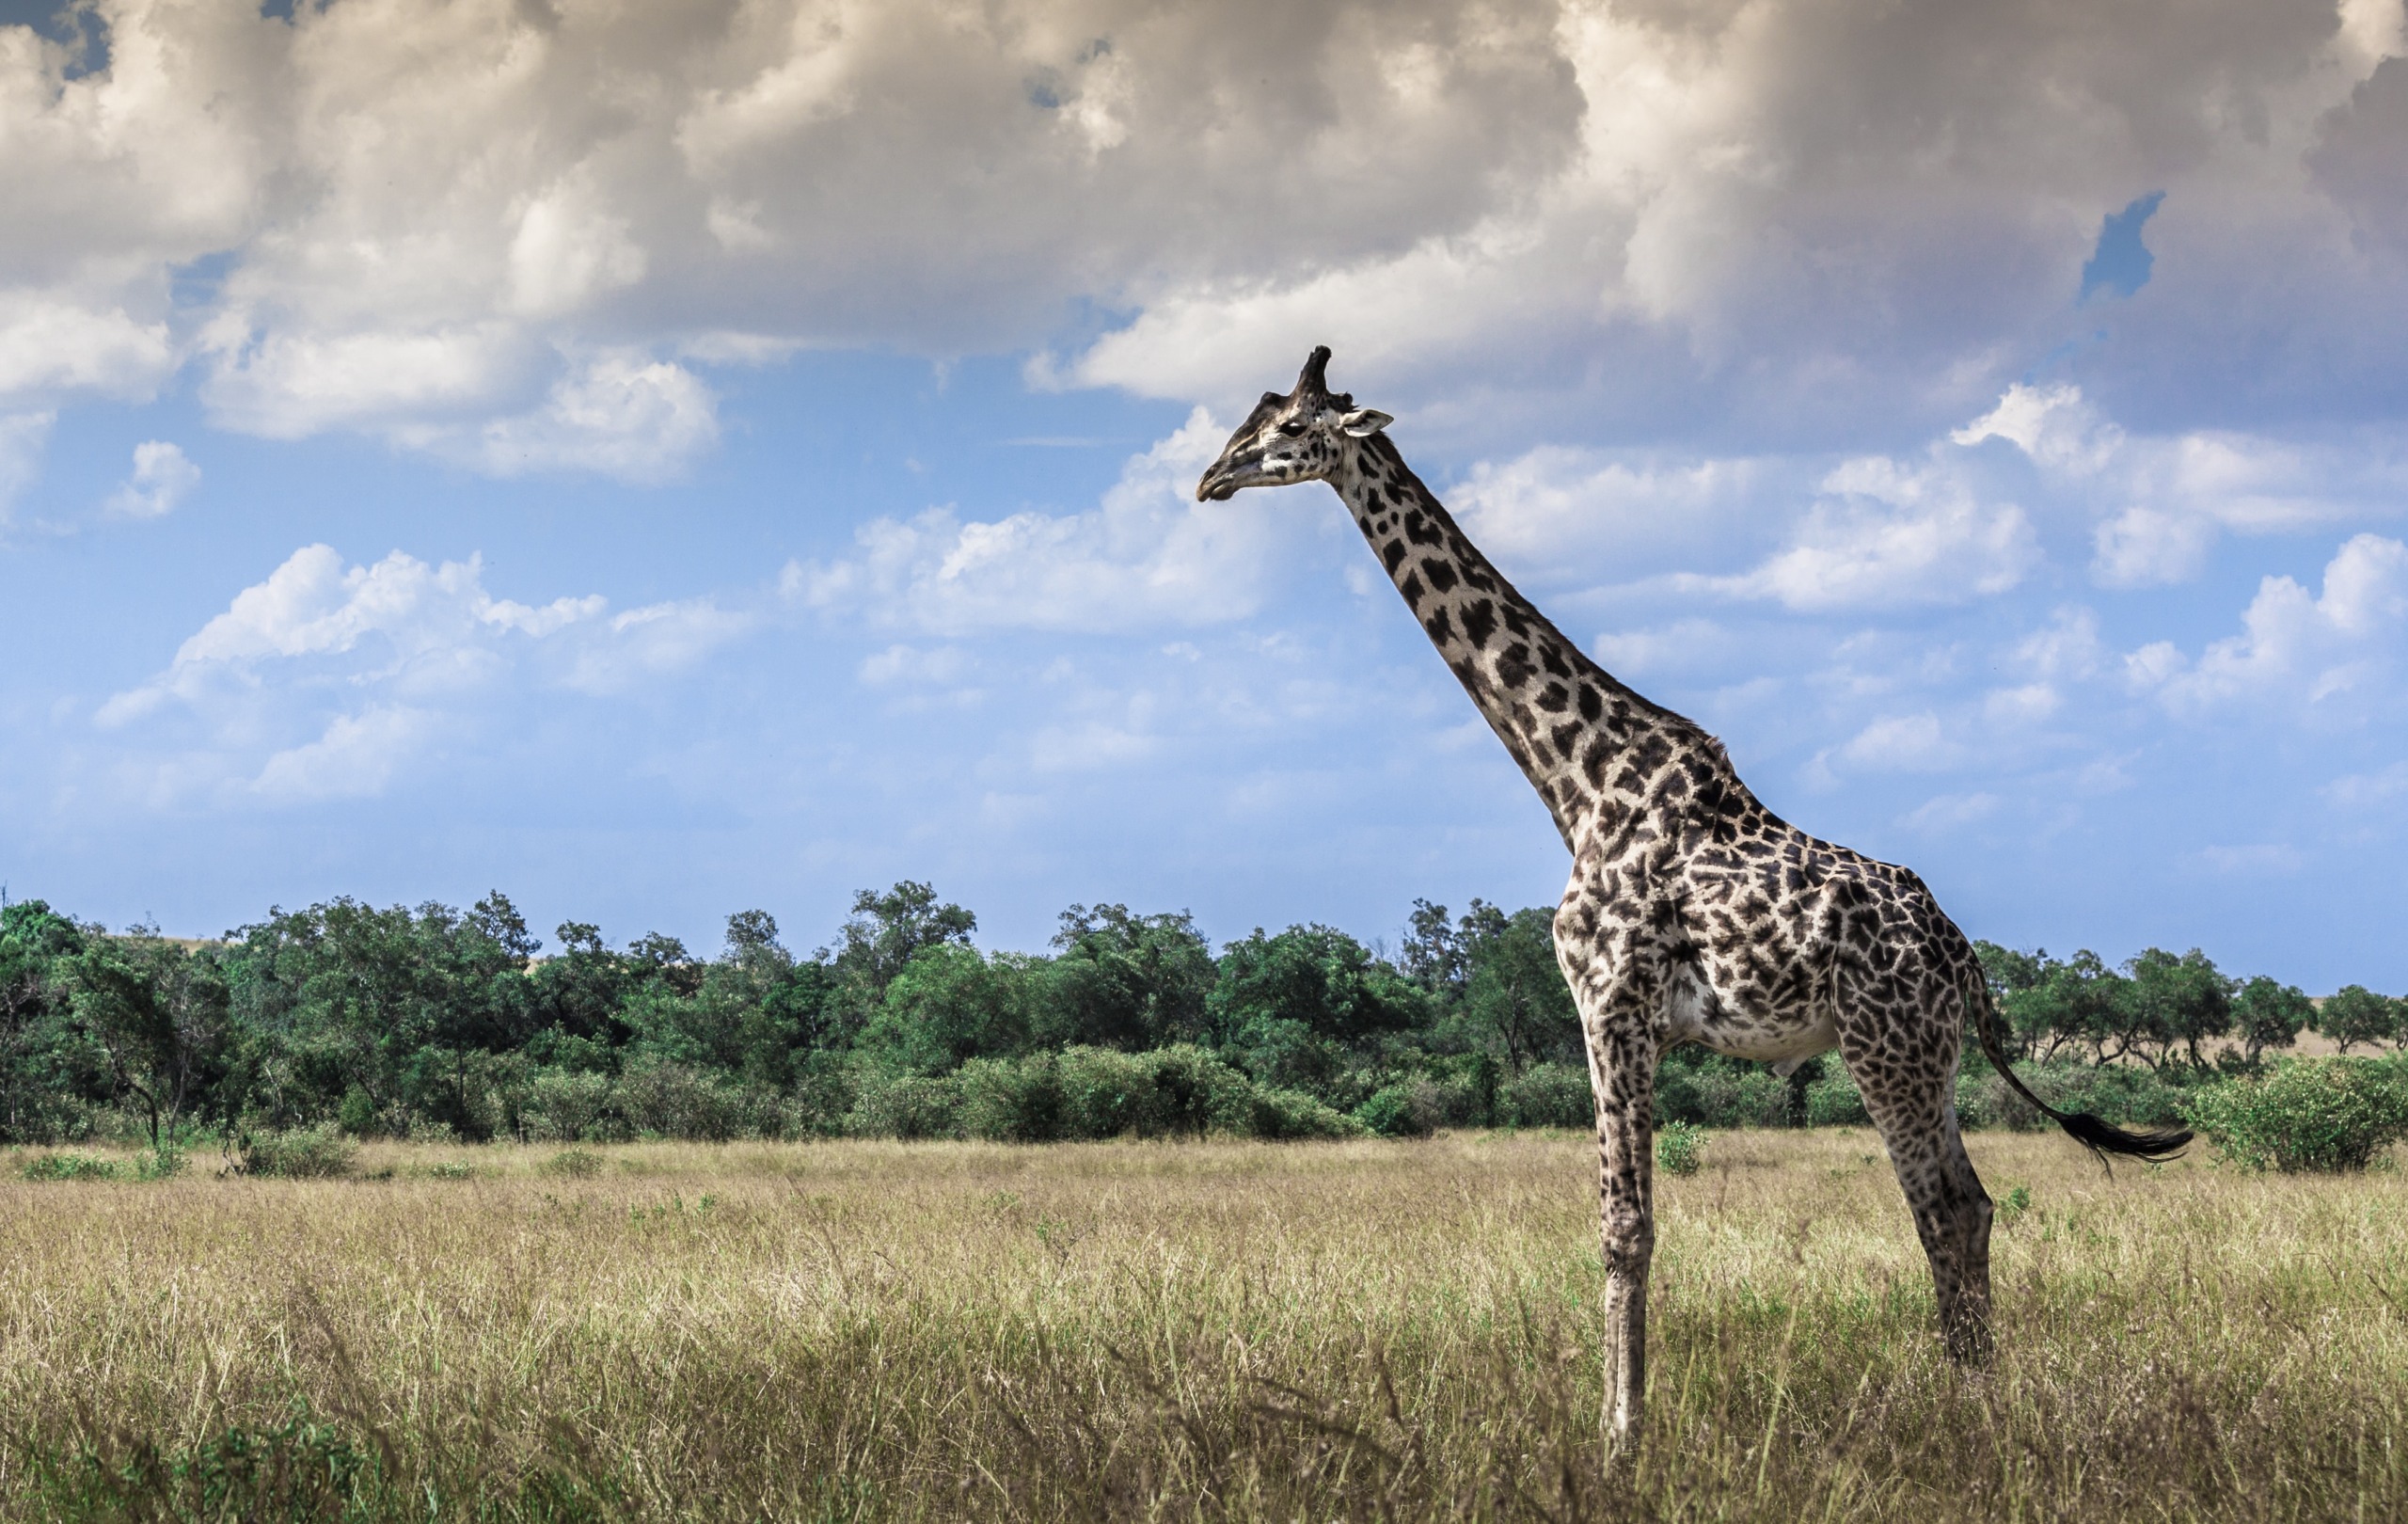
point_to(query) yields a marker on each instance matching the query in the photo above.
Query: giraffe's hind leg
(1910, 1102)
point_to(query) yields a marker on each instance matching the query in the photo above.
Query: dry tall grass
(873, 1331)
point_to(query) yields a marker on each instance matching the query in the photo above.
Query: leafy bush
(68, 1167)
(568, 1106)
(1748, 1098)
(1195, 1093)
(162, 1163)
(672, 1100)
(891, 1104)
(2328, 1115)
(1105, 1093)
(452, 1169)
(576, 1164)
(1835, 1101)
(1277, 1114)
(1398, 1111)
(1680, 1147)
(1007, 1102)
(1549, 1095)
(304, 1153)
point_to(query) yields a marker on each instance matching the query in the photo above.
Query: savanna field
(1371, 1329)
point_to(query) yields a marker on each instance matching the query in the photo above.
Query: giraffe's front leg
(1620, 1001)
(1625, 1148)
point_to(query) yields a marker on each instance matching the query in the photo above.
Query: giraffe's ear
(1364, 423)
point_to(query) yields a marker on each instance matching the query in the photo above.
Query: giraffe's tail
(2104, 1138)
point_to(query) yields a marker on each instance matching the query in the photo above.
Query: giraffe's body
(1693, 913)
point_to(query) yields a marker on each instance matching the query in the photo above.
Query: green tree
(1130, 983)
(2176, 1003)
(159, 1013)
(878, 940)
(951, 1003)
(1514, 988)
(39, 1062)
(2269, 1015)
(1293, 1010)
(2355, 1014)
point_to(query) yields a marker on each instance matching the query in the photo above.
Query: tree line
(439, 1022)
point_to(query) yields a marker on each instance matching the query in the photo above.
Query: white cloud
(1771, 222)
(2295, 645)
(1905, 743)
(162, 477)
(355, 758)
(618, 413)
(53, 343)
(374, 664)
(22, 437)
(1886, 534)
(1148, 556)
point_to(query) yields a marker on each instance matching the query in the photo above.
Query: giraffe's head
(1298, 437)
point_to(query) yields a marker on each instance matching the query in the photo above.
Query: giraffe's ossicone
(1693, 914)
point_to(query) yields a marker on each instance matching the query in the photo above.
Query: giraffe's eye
(1292, 427)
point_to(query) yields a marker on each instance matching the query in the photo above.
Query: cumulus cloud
(1777, 222)
(1147, 556)
(374, 663)
(162, 477)
(2321, 649)
(1883, 534)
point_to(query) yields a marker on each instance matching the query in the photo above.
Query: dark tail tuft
(2104, 1138)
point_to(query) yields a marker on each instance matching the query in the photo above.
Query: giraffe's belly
(1741, 1023)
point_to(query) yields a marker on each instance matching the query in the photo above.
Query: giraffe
(1693, 913)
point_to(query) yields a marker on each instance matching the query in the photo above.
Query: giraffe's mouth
(1222, 482)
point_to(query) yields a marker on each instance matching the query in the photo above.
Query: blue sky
(660, 461)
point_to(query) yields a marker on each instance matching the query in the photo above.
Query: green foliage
(2357, 1015)
(435, 1023)
(1833, 1100)
(1400, 1111)
(1279, 1114)
(2267, 1014)
(1680, 1147)
(901, 1105)
(574, 1164)
(68, 1167)
(2327, 1114)
(297, 1153)
(164, 1163)
(1549, 1095)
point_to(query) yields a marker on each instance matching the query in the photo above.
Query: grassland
(877, 1331)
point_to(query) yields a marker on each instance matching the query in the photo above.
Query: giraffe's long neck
(1587, 742)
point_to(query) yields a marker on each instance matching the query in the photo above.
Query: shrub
(891, 1104)
(1392, 1111)
(677, 1101)
(568, 1106)
(1007, 1102)
(576, 1164)
(452, 1169)
(1680, 1147)
(1194, 1092)
(165, 1162)
(2329, 1115)
(1549, 1095)
(1742, 1098)
(304, 1153)
(1104, 1094)
(1273, 1113)
(1835, 1101)
(68, 1167)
